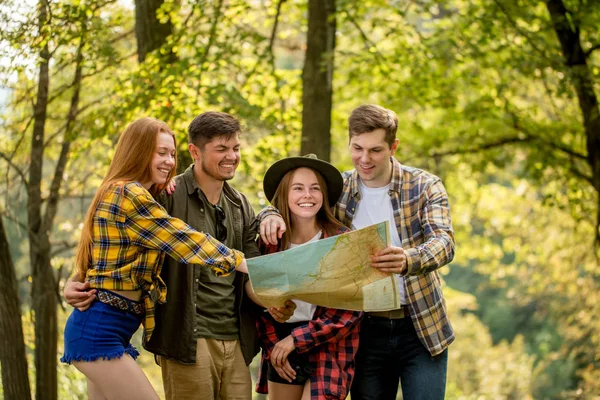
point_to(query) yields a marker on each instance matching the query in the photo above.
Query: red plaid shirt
(330, 339)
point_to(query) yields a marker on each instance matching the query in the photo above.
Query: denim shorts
(101, 331)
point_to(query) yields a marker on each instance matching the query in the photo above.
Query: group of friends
(148, 230)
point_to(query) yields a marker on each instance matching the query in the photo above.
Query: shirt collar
(192, 187)
(190, 180)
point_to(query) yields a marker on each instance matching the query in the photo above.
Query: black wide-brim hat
(277, 171)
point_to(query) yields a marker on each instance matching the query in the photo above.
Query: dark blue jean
(391, 352)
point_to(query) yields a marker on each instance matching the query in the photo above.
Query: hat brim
(277, 171)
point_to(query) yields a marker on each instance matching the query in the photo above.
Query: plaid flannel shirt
(330, 339)
(132, 233)
(422, 216)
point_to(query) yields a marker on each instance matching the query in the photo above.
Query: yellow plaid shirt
(131, 235)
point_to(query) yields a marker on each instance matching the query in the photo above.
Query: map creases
(334, 272)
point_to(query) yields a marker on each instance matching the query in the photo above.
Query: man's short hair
(207, 126)
(369, 117)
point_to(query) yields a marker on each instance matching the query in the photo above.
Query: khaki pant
(220, 373)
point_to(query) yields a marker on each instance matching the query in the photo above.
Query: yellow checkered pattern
(131, 235)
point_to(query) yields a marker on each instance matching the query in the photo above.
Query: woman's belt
(120, 302)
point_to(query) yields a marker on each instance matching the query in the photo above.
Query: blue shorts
(101, 331)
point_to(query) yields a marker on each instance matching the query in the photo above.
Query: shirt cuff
(267, 212)
(301, 344)
(238, 257)
(413, 262)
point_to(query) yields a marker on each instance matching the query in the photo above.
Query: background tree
(60, 37)
(151, 31)
(485, 96)
(568, 30)
(317, 79)
(488, 96)
(14, 379)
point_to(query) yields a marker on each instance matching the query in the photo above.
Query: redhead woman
(124, 240)
(311, 356)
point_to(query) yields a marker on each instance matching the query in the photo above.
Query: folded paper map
(334, 272)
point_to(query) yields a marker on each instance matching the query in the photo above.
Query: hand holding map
(334, 272)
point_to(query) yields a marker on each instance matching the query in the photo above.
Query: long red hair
(132, 162)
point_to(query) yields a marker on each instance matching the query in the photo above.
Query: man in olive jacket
(205, 335)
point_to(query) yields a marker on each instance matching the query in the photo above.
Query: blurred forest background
(497, 97)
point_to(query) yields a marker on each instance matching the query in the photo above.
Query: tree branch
(482, 147)
(589, 51)
(275, 24)
(519, 30)
(77, 113)
(64, 246)
(14, 166)
(578, 173)
(525, 138)
(58, 279)
(368, 43)
(553, 144)
(268, 51)
(63, 88)
(52, 204)
(15, 220)
(183, 32)
(576, 62)
(211, 37)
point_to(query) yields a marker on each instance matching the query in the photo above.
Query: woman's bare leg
(119, 378)
(93, 392)
(281, 391)
(306, 391)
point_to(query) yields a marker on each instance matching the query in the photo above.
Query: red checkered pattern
(331, 341)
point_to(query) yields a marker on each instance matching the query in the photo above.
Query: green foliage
(484, 101)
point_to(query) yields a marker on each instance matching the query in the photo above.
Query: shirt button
(195, 330)
(196, 280)
(202, 210)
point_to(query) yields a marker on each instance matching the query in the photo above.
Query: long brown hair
(325, 219)
(132, 162)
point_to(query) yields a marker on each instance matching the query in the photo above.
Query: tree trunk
(15, 381)
(46, 332)
(317, 78)
(43, 288)
(149, 32)
(152, 35)
(575, 60)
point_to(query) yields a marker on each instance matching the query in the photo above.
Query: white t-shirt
(304, 311)
(375, 206)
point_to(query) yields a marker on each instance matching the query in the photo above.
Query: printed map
(333, 272)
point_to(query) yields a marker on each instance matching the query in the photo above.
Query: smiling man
(206, 333)
(408, 344)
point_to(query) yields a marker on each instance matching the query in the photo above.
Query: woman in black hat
(311, 356)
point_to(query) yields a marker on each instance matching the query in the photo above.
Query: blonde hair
(132, 162)
(325, 219)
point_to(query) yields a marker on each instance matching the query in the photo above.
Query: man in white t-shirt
(409, 344)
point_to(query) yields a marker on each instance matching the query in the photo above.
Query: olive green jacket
(173, 336)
